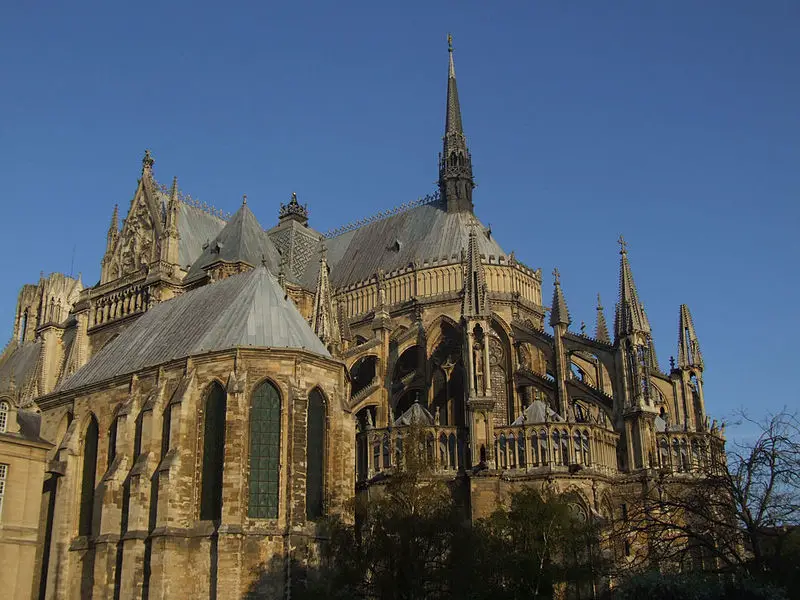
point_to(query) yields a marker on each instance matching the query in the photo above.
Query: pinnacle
(559, 314)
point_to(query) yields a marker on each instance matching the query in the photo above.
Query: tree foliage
(735, 515)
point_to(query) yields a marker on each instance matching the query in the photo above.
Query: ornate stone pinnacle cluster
(293, 209)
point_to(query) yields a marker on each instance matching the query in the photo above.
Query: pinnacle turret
(293, 211)
(559, 314)
(475, 302)
(630, 316)
(324, 320)
(601, 329)
(113, 228)
(689, 355)
(455, 162)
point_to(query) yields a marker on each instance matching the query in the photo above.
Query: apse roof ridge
(431, 198)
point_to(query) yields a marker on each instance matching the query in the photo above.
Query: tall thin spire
(630, 316)
(475, 302)
(323, 319)
(559, 314)
(455, 163)
(601, 329)
(113, 228)
(689, 354)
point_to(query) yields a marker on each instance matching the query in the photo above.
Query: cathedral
(224, 386)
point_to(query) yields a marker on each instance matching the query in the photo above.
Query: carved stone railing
(553, 445)
(379, 451)
(118, 305)
(688, 452)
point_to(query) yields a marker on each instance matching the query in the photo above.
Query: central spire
(455, 162)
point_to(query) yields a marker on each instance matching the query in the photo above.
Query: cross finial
(244, 198)
(623, 245)
(557, 276)
(449, 42)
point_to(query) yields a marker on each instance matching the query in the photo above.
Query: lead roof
(245, 310)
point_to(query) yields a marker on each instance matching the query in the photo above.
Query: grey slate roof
(19, 365)
(242, 239)
(425, 232)
(195, 227)
(244, 310)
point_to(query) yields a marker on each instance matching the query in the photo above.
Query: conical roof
(245, 310)
(241, 240)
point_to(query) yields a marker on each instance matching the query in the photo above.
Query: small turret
(601, 329)
(559, 314)
(475, 301)
(323, 319)
(113, 229)
(689, 355)
(293, 211)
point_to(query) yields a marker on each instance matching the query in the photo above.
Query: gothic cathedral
(224, 386)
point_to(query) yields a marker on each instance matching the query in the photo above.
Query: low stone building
(22, 462)
(224, 386)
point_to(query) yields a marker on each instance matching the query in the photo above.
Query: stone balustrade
(118, 305)
(380, 450)
(556, 445)
(688, 451)
(521, 448)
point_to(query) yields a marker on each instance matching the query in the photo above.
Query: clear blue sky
(676, 123)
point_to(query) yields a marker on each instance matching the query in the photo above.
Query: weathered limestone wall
(147, 529)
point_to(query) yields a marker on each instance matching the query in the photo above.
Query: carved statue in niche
(477, 360)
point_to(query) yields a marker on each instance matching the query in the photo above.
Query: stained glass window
(315, 455)
(265, 451)
(213, 453)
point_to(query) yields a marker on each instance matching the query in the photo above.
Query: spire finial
(559, 313)
(623, 245)
(263, 260)
(455, 163)
(147, 161)
(599, 302)
(173, 194)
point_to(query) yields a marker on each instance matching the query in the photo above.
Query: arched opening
(112, 442)
(265, 450)
(88, 477)
(447, 381)
(499, 370)
(439, 403)
(365, 420)
(213, 453)
(406, 364)
(315, 455)
(363, 373)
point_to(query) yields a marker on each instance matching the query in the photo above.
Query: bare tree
(728, 512)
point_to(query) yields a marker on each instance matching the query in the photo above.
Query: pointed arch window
(265, 449)
(315, 455)
(213, 453)
(88, 477)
